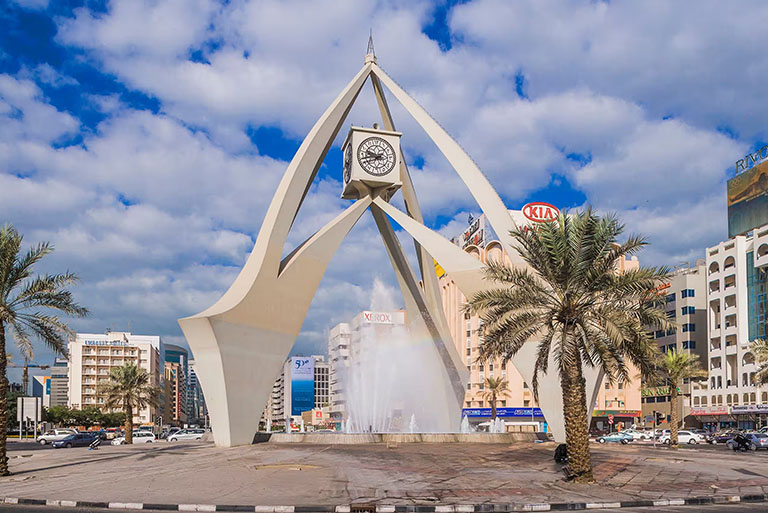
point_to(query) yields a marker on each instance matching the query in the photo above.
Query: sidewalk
(409, 474)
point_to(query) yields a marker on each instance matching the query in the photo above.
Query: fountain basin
(405, 438)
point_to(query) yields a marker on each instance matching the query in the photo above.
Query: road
(716, 508)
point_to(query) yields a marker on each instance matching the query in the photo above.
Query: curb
(381, 508)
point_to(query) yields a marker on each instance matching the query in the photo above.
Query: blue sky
(145, 138)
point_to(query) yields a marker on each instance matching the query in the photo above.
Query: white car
(638, 435)
(683, 437)
(55, 434)
(139, 437)
(187, 434)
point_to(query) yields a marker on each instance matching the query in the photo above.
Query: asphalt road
(715, 508)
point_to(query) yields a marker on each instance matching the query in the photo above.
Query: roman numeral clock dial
(376, 156)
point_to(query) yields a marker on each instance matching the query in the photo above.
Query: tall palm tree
(495, 387)
(129, 388)
(571, 302)
(28, 310)
(674, 367)
(759, 350)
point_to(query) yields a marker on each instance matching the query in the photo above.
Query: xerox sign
(540, 212)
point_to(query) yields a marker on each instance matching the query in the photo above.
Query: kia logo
(540, 212)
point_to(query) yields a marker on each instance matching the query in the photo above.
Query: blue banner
(302, 384)
(503, 412)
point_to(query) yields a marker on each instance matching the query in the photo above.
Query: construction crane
(26, 367)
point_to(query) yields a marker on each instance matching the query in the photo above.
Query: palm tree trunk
(493, 405)
(673, 415)
(575, 412)
(128, 422)
(3, 405)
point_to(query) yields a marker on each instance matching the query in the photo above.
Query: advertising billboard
(748, 200)
(302, 384)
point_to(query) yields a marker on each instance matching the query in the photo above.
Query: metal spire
(370, 54)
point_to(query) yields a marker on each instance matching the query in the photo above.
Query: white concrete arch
(241, 342)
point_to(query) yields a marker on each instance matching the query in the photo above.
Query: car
(725, 436)
(187, 434)
(54, 435)
(756, 441)
(704, 435)
(638, 435)
(74, 440)
(139, 437)
(683, 437)
(619, 436)
(113, 433)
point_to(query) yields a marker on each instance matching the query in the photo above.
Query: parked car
(113, 433)
(74, 440)
(683, 437)
(704, 435)
(725, 436)
(620, 437)
(54, 435)
(638, 435)
(756, 441)
(187, 434)
(139, 437)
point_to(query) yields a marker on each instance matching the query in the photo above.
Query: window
(670, 298)
(607, 386)
(688, 293)
(689, 344)
(671, 314)
(689, 327)
(659, 333)
(621, 385)
(650, 399)
(469, 333)
(469, 386)
(503, 365)
(688, 310)
(469, 342)
(526, 402)
(490, 366)
(525, 385)
(469, 351)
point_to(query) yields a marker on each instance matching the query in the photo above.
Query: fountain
(465, 427)
(394, 377)
(269, 425)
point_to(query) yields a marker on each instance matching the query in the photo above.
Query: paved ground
(272, 474)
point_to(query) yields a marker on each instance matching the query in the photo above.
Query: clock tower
(371, 161)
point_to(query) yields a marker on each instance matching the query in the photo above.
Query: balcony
(714, 286)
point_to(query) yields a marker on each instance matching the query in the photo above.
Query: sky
(144, 138)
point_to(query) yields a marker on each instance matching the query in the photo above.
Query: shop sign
(502, 412)
(616, 413)
(656, 392)
(749, 408)
(710, 410)
(540, 212)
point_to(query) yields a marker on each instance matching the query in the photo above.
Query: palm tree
(28, 306)
(494, 387)
(759, 350)
(674, 368)
(570, 300)
(129, 388)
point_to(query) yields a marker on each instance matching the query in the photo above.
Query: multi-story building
(619, 402)
(686, 304)
(93, 356)
(197, 412)
(275, 408)
(59, 382)
(344, 348)
(303, 385)
(737, 282)
(175, 384)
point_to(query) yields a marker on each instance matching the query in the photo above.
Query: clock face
(376, 156)
(347, 163)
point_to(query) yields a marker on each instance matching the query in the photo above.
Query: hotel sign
(710, 410)
(756, 158)
(502, 412)
(121, 343)
(749, 408)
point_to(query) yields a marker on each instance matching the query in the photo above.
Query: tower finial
(370, 54)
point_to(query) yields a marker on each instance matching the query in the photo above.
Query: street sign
(610, 418)
(610, 421)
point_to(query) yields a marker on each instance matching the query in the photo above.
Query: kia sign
(540, 212)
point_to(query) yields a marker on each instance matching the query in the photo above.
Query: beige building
(686, 304)
(620, 400)
(174, 391)
(92, 356)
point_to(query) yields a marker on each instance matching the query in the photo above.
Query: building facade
(737, 282)
(93, 356)
(176, 372)
(685, 297)
(619, 402)
(197, 413)
(59, 382)
(299, 388)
